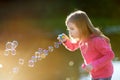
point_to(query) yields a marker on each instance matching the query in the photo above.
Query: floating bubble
(56, 44)
(71, 63)
(43, 56)
(15, 70)
(50, 48)
(40, 50)
(8, 46)
(31, 63)
(45, 52)
(14, 44)
(34, 58)
(59, 43)
(39, 58)
(13, 52)
(21, 61)
(37, 55)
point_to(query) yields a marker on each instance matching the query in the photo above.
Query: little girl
(94, 45)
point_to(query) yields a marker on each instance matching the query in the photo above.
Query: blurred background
(36, 24)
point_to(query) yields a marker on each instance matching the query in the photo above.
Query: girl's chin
(76, 38)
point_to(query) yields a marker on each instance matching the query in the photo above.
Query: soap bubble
(56, 44)
(14, 44)
(15, 70)
(37, 55)
(71, 63)
(40, 50)
(43, 56)
(45, 52)
(13, 52)
(50, 48)
(59, 43)
(31, 63)
(21, 61)
(8, 46)
(39, 58)
(34, 58)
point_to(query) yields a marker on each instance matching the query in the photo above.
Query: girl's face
(73, 30)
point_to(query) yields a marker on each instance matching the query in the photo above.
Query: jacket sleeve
(71, 46)
(104, 48)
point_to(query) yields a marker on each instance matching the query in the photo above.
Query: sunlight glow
(1, 66)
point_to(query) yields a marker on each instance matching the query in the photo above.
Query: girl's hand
(88, 67)
(62, 37)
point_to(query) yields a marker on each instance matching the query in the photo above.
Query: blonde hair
(84, 24)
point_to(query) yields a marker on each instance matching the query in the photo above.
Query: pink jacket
(95, 51)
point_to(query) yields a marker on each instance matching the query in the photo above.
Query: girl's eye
(72, 29)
